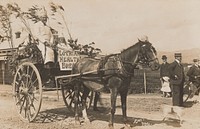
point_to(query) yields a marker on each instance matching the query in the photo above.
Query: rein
(152, 60)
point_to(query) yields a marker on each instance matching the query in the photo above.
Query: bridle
(143, 57)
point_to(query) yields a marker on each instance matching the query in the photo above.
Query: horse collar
(123, 68)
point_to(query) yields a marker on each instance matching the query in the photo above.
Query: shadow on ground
(103, 115)
(53, 115)
(189, 104)
(64, 114)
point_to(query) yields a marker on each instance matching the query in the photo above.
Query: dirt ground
(144, 112)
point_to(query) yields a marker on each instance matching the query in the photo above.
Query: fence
(145, 81)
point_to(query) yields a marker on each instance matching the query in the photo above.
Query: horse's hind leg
(76, 92)
(96, 99)
(84, 97)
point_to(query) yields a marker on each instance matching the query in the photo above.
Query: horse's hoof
(77, 122)
(181, 122)
(87, 121)
(110, 126)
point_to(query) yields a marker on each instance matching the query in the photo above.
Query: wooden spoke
(69, 96)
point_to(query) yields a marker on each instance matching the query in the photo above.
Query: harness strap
(101, 67)
(123, 69)
(45, 52)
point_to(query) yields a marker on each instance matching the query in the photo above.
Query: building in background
(5, 75)
(19, 36)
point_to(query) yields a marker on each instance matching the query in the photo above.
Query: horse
(113, 71)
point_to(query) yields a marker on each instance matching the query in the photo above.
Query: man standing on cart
(194, 76)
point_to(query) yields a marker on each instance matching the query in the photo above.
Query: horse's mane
(136, 44)
(130, 47)
(139, 43)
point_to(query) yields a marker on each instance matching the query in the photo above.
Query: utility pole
(145, 83)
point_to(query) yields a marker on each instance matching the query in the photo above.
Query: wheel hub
(24, 91)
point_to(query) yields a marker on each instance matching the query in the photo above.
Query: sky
(114, 25)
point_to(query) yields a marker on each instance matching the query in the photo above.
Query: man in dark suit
(177, 78)
(194, 74)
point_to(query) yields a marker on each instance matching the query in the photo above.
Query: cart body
(29, 72)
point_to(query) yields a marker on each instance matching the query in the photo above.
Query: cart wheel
(68, 97)
(27, 91)
(187, 93)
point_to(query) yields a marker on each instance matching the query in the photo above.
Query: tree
(5, 24)
(32, 14)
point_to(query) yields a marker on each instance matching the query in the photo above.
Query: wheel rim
(185, 97)
(27, 91)
(187, 93)
(69, 95)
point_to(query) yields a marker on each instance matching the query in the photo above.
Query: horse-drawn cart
(113, 71)
(29, 75)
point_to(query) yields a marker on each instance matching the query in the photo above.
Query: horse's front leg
(123, 95)
(114, 83)
(113, 106)
(84, 98)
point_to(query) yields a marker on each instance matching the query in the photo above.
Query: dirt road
(144, 112)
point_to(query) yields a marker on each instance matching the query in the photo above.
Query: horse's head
(148, 55)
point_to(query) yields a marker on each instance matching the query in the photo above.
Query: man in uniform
(177, 78)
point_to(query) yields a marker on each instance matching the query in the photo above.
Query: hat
(177, 55)
(195, 60)
(164, 57)
(165, 78)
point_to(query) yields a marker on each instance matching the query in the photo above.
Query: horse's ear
(139, 40)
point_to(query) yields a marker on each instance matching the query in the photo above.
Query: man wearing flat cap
(164, 77)
(194, 74)
(177, 78)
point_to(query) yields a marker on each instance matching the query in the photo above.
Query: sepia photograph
(99, 64)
